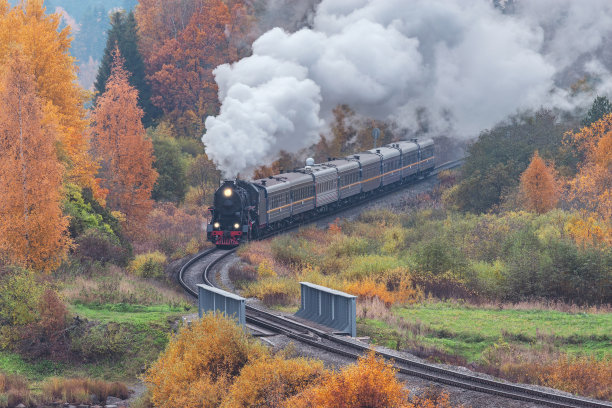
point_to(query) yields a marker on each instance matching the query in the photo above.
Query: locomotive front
(229, 215)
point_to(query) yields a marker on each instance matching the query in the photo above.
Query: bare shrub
(46, 336)
(172, 230)
(241, 273)
(93, 245)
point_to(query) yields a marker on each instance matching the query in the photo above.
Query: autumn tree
(33, 231)
(496, 160)
(182, 42)
(163, 20)
(342, 131)
(538, 186)
(591, 189)
(285, 162)
(47, 51)
(123, 34)
(125, 154)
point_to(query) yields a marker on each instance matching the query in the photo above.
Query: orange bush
(585, 375)
(369, 383)
(256, 252)
(197, 367)
(335, 228)
(395, 290)
(271, 380)
(369, 289)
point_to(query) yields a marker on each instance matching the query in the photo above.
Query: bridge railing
(217, 300)
(328, 307)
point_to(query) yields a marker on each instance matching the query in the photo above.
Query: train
(245, 210)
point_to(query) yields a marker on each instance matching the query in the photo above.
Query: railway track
(204, 263)
(199, 269)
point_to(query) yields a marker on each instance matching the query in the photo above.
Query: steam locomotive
(245, 210)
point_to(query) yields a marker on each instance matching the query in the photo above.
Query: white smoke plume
(466, 62)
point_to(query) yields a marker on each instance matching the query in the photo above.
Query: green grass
(131, 337)
(127, 313)
(468, 331)
(13, 363)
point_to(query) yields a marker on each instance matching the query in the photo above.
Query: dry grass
(584, 375)
(551, 305)
(14, 390)
(374, 308)
(115, 286)
(255, 252)
(274, 291)
(321, 236)
(81, 390)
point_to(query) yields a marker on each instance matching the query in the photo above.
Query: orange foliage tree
(26, 27)
(182, 42)
(591, 189)
(125, 154)
(539, 186)
(33, 231)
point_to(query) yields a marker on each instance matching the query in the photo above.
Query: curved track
(204, 263)
(197, 270)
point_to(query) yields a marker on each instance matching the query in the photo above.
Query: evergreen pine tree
(601, 107)
(123, 34)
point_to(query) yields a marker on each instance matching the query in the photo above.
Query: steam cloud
(467, 63)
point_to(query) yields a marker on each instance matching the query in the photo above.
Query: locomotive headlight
(227, 192)
(216, 225)
(236, 226)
